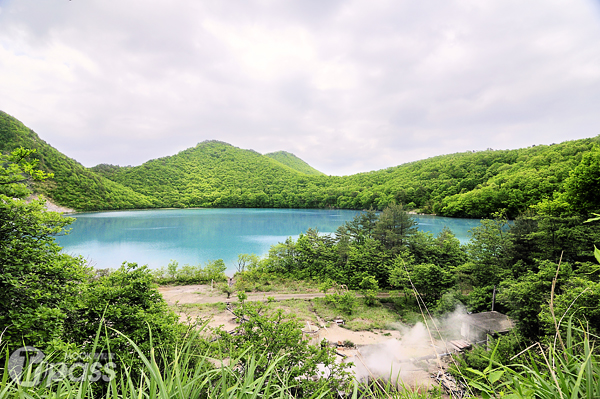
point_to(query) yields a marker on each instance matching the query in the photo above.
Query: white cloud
(347, 86)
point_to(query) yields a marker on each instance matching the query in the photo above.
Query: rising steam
(411, 359)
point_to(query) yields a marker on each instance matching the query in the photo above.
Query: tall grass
(180, 375)
(557, 372)
(186, 374)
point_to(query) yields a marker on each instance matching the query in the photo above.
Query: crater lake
(194, 236)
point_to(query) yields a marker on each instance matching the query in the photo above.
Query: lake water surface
(194, 236)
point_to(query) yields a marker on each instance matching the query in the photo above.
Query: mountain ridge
(294, 162)
(218, 174)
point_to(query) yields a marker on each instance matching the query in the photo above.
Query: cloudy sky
(348, 86)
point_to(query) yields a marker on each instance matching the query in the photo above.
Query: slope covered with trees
(216, 174)
(73, 185)
(293, 162)
(471, 184)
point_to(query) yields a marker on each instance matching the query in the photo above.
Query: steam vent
(477, 326)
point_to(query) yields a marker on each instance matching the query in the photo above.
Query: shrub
(128, 301)
(278, 335)
(369, 289)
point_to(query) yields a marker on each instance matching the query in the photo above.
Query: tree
(38, 284)
(393, 227)
(17, 169)
(487, 249)
(526, 297)
(128, 301)
(443, 250)
(369, 289)
(430, 281)
(360, 228)
(246, 261)
(583, 184)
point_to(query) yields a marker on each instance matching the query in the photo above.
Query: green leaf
(477, 372)
(495, 375)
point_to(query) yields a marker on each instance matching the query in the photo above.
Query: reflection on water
(193, 236)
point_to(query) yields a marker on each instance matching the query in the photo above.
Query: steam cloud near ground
(401, 360)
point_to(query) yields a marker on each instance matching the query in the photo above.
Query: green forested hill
(475, 184)
(216, 174)
(293, 162)
(73, 185)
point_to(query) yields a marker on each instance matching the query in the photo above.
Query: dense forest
(216, 174)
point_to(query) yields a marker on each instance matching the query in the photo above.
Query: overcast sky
(348, 86)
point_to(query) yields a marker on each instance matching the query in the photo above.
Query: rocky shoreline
(50, 206)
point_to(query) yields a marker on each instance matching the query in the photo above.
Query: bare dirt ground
(202, 294)
(199, 293)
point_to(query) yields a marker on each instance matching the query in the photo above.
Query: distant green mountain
(293, 162)
(73, 185)
(217, 174)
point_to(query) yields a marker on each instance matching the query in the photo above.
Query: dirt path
(202, 293)
(186, 294)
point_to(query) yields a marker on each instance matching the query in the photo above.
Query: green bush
(369, 289)
(278, 335)
(128, 301)
(345, 302)
(212, 271)
(572, 371)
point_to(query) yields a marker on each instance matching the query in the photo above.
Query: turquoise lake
(194, 236)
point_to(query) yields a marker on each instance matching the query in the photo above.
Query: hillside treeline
(216, 174)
